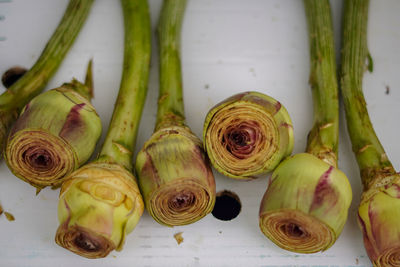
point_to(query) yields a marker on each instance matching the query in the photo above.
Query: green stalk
(323, 136)
(379, 209)
(305, 206)
(100, 203)
(120, 141)
(170, 101)
(35, 80)
(371, 156)
(173, 172)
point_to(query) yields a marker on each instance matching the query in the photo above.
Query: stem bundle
(174, 175)
(100, 202)
(379, 209)
(305, 206)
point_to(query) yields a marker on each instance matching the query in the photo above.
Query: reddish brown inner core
(84, 242)
(182, 201)
(294, 230)
(38, 158)
(240, 140)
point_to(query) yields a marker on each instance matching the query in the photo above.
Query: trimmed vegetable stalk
(56, 133)
(174, 175)
(305, 206)
(34, 81)
(379, 210)
(100, 202)
(248, 135)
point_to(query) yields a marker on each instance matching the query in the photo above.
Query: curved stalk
(56, 132)
(34, 81)
(247, 135)
(370, 154)
(305, 206)
(174, 175)
(170, 110)
(100, 202)
(379, 209)
(323, 137)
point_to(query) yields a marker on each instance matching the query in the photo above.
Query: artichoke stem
(379, 209)
(371, 156)
(173, 171)
(170, 102)
(34, 81)
(100, 203)
(119, 144)
(306, 204)
(323, 137)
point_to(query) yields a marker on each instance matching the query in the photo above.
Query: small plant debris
(9, 216)
(178, 237)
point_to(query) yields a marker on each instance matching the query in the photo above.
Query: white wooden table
(228, 46)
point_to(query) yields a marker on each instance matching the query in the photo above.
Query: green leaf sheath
(34, 81)
(84, 89)
(371, 156)
(170, 102)
(121, 137)
(323, 137)
(89, 81)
